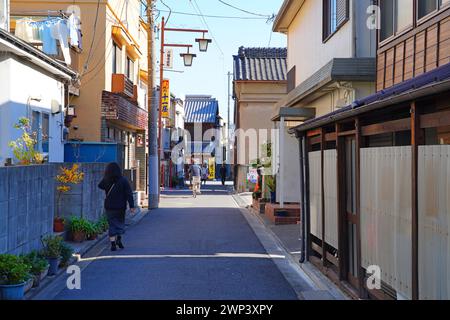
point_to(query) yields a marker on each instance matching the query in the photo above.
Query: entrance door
(351, 216)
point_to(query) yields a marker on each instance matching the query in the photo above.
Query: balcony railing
(122, 85)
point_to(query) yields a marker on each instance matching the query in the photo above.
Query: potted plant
(66, 254)
(65, 180)
(52, 252)
(103, 222)
(92, 230)
(39, 266)
(14, 274)
(59, 224)
(271, 184)
(79, 227)
(24, 148)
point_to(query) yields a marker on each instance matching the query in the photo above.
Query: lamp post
(187, 58)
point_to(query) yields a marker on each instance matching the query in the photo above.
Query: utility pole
(229, 97)
(153, 159)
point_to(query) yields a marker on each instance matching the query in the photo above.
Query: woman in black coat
(118, 193)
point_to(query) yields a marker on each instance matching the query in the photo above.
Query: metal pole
(229, 101)
(153, 188)
(161, 79)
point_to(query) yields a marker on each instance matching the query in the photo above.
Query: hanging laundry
(24, 29)
(60, 31)
(48, 41)
(73, 25)
(80, 39)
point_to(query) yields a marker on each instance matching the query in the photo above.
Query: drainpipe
(302, 197)
(281, 157)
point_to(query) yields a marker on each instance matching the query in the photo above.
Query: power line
(214, 16)
(242, 10)
(197, 8)
(93, 37)
(170, 11)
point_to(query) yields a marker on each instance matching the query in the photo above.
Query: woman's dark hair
(113, 172)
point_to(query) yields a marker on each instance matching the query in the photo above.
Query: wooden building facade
(375, 175)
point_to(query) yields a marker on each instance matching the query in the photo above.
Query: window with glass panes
(398, 15)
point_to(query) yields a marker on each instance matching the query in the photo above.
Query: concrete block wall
(26, 206)
(85, 199)
(28, 203)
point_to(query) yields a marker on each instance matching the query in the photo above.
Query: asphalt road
(188, 249)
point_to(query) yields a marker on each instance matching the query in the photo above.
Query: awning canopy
(295, 114)
(337, 70)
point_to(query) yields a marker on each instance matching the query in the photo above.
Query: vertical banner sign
(165, 99)
(168, 58)
(212, 168)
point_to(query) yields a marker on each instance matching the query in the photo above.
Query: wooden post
(415, 141)
(358, 205)
(341, 203)
(322, 167)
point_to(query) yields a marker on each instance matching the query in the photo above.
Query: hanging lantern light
(203, 43)
(188, 58)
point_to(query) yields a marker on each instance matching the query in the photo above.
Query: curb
(56, 279)
(321, 283)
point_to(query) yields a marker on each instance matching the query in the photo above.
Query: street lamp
(188, 58)
(203, 43)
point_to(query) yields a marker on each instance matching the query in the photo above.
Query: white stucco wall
(308, 52)
(18, 82)
(290, 161)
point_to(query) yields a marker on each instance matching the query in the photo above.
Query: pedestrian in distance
(195, 171)
(118, 193)
(205, 173)
(223, 173)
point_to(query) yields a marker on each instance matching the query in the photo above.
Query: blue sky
(208, 73)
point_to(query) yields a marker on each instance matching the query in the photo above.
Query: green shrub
(37, 262)
(52, 246)
(78, 224)
(93, 228)
(13, 270)
(103, 223)
(66, 254)
(271, 183)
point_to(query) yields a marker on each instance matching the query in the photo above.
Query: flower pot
(273, 197)
(53, 268)
(92, 237)
(28, 285)
(58, 225)
(44, 273)
(78, 236)
(12, 292)
(36, 280)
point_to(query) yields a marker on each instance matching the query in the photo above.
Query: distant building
(204, 128)
(259, 83)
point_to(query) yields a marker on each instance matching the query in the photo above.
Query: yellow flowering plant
(67, 178)
(24, 147)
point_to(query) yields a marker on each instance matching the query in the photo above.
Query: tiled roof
(260, 64)
(201, 109)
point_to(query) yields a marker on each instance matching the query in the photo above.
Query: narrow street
(190, 248)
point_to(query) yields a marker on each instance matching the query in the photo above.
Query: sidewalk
(288, 238)
(79, 249)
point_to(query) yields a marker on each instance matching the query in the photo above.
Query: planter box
(259, 205)
(290, 213)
